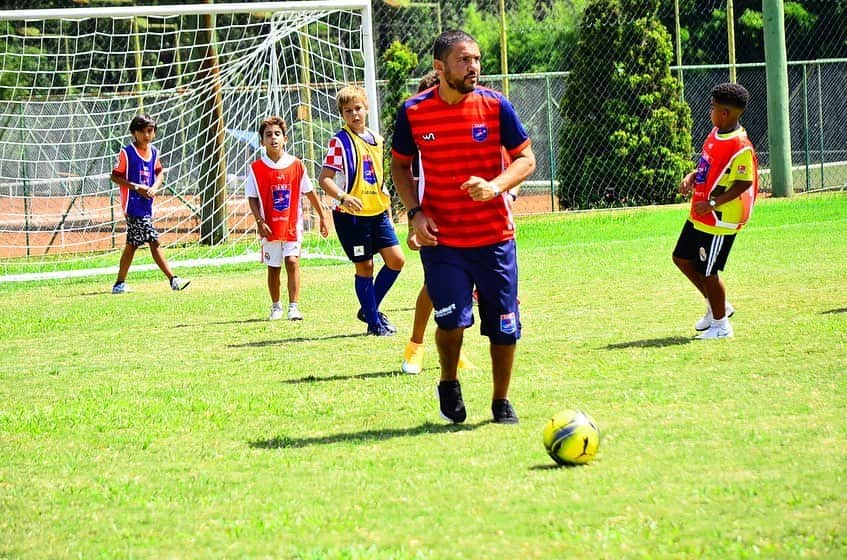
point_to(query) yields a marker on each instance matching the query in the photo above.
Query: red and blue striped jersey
(455, 142)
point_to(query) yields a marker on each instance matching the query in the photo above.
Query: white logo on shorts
(703, 254)
(444, 311)
(358, 250)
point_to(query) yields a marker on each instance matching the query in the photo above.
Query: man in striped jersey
(460, 214)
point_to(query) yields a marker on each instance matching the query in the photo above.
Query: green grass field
(185, 425)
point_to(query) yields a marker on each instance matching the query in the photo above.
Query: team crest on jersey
(479, 132)
(508, 324)
(282, 198)
(702, 170)
(368, 172)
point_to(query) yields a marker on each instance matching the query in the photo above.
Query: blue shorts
(451, 273)
(363, 236)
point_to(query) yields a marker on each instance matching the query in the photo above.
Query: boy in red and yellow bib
(724, 186)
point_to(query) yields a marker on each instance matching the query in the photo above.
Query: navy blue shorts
(708, 251)
(363, 236)
(451, 273)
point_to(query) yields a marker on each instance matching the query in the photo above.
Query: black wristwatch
(411, 213)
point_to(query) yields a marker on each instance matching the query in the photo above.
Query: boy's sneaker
(706, 321)
(120, 288)
(451, 405)
(276, 312)
(503, 412)
(178, 284)
(294, 313)
(360, 315)
(718, 329)
(413, 358)
(379, 329)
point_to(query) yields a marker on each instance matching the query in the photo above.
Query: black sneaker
(451, 405)
(503, 412)
(360, 315)
(379, 330)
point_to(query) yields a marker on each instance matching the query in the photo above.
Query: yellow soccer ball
(571, 437)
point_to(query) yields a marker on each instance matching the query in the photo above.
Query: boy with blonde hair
(353, 175)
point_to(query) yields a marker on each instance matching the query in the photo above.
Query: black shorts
(140, 230)
(707, 250)
(363, 236)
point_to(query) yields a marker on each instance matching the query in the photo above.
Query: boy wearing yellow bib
(724, 186)
(352, 173)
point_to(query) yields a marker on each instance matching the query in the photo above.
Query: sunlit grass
(185, 425)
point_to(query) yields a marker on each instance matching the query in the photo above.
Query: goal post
(72, 79)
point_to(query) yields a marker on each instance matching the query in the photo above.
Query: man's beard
(460, 84)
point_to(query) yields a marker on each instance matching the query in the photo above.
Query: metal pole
(139, 77)
(550, 143)
(776, 70)
(730, 39)
(504, 49)
(370, 67)
(678, 32)
(820, 121)
(806, 128)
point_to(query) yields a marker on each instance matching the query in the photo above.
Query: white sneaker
(178, 283)
(706, 321)
(718, 329)
(120, 288)
(276, 312)
(294, 313)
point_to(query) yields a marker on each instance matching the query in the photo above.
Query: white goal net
(71, 80)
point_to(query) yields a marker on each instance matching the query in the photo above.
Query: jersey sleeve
(742, 167)
(513, 133)
(120, 164)
(335, 156)
(251, 188)
(306, 181)
(402, 143)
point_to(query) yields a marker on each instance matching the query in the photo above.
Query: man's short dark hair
(731, 95)
(140, 122)
(447, 40)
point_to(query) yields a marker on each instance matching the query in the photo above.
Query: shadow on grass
(834, 311)
(263, 343)
(285, 442)
(231, 322)
(371, 375)
(650, 343)
(553, 467)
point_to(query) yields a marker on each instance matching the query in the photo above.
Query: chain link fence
(712, 41)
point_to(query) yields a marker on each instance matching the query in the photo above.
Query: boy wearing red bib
(724, 186)
(275, 183)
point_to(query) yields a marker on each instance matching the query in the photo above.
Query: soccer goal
(72, 79)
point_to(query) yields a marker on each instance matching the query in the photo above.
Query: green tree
(398, 62)
(626, 138)
(541, 36)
